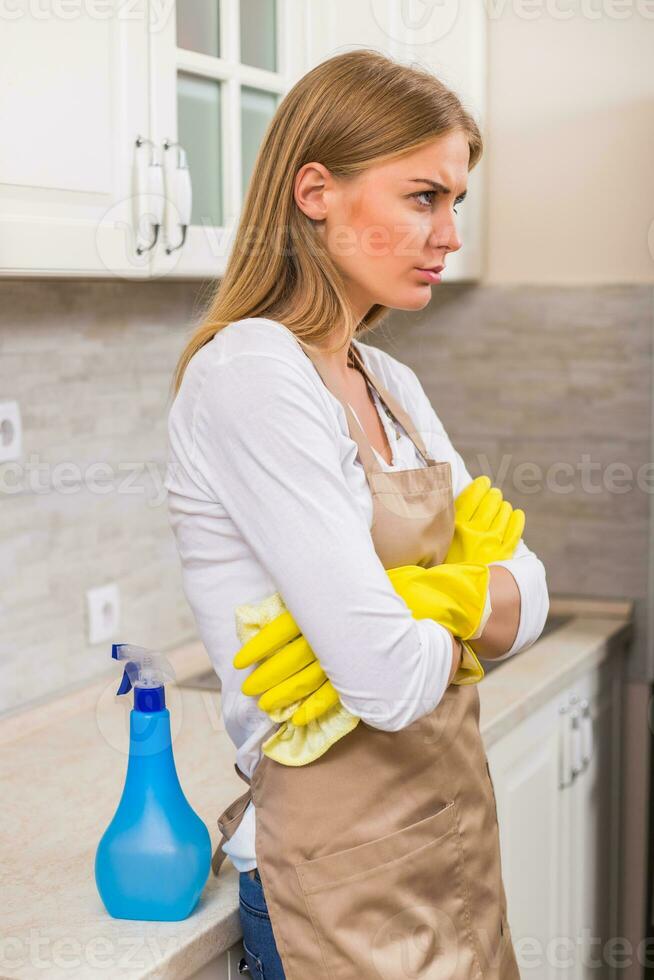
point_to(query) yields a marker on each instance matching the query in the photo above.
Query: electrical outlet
(103, 607)
(11, 432)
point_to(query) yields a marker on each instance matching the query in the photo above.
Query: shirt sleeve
(525, 566)
(266, 446)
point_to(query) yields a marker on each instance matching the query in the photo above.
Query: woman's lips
(432, 275)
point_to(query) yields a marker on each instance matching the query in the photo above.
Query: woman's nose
(445, 235)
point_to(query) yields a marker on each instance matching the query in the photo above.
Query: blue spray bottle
(153, 860)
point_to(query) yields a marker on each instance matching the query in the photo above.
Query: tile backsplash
(90, 363)
(546, 389)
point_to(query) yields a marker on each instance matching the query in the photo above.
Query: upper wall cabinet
(74, 84)
(131, 130)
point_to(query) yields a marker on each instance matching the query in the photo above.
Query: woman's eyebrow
(436, 185)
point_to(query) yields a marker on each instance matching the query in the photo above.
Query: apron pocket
(396, 906)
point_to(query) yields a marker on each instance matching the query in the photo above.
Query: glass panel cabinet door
(199, 132)
(220, 69)
(258, 20)
(257, 109)
(198, 26)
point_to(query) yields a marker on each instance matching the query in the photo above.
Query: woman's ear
(311, 188)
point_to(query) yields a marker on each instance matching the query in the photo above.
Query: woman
(308, 462)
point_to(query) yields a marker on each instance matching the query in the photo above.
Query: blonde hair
(349, 112)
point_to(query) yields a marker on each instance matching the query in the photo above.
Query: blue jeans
(258, 940)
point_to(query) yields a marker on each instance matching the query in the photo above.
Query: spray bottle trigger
(125, 684)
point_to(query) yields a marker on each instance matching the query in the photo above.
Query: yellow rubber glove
(486, 527)
(453, 595)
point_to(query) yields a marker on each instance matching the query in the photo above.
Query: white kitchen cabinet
(130, 130)
(74, 100)
(556, 779)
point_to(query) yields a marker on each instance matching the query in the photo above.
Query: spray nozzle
(146, 671)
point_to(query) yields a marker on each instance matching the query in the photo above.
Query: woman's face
(384, 225)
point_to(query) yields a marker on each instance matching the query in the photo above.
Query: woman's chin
(418, 298)
(413, 299)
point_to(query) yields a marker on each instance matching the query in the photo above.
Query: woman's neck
(338, 364)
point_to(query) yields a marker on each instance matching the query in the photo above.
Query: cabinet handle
(575, 742)
(566, 775)
(180, 195)
(587, 739)
(149, 191)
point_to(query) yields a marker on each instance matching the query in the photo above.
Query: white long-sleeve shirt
(266, 494)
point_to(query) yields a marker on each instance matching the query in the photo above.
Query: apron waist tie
(229, 820)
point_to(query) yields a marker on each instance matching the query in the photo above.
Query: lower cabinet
(557, 785)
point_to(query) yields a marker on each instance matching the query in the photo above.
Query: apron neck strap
(392, 403)
(366, 451)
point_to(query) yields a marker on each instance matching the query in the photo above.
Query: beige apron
(381, 859)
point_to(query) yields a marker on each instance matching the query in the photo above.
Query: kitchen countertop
(62, 769)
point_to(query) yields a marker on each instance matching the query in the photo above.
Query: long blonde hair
(348, 112)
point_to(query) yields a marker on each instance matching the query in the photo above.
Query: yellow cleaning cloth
(292, 745)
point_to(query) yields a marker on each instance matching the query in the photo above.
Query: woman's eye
(431, 195)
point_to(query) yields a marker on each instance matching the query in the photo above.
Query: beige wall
(570, 143)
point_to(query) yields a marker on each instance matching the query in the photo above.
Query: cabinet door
(560, 831)
(525, 770)
(591, 815)
(222, 967)
(449, 40)
(74, 100)
(219, 70)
